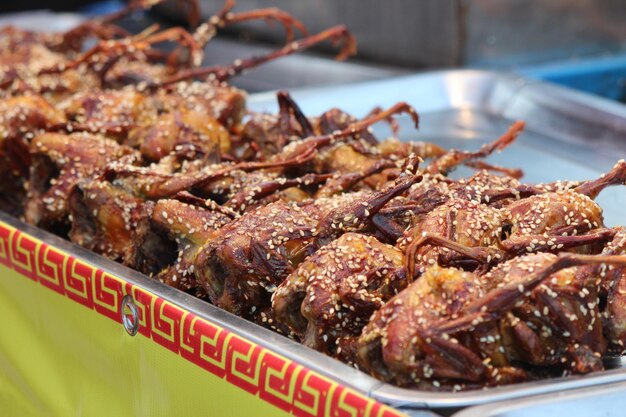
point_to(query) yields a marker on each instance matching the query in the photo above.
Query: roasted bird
(453, 329)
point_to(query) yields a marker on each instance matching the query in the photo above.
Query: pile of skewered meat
(361, 248)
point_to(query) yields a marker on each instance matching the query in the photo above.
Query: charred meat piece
(453, 329)
(60, 162)
(331, 295)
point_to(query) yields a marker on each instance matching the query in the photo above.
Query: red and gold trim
(251, 367)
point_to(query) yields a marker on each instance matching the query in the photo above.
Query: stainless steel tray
(570, 135)
(604, 401)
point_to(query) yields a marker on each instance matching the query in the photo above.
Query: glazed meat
(455, 329)
(328, 299)
(360, 246)
(256, 252)
(58, 163)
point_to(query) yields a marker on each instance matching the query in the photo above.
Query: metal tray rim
(500, 408)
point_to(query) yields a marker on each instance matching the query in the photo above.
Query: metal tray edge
(499, 409)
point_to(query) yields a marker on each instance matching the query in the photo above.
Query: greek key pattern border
(251, 367)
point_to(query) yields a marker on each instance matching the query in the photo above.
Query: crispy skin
(436, 190)
(20, 120)
(110, 221)
(190, 227)
(256, 252)
(181, 129)
(555, 326)
(110, 111)
(241, 268)
(611, 283)
(332, 294)
(219, 101)
(394, 345)
(560, 319)
(60, 162)
(466, 222)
